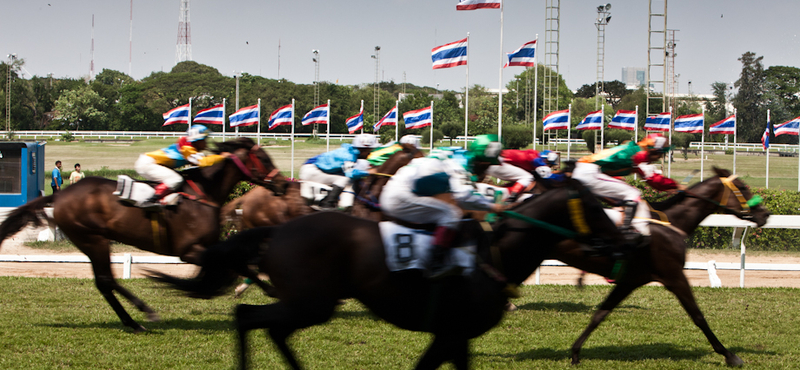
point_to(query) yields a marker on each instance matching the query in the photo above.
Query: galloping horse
(262, 207)
(344, 257)
(366, 203)
(664, 260)
(91, 216)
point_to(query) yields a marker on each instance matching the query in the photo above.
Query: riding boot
(161, 190)
(632, 237)
(331, 200)
(443, 238)
(514, 192)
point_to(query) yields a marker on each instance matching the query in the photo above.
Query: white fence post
(126, 267)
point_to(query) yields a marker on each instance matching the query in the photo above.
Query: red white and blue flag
(765, 137)
(246, 116)
(525, 56)
(624, 120)
(317, 115)
(450, 55)
(177, 115)
(558, 120)
(281, 116)
(788, 128)
(214, 115)
(592, 121)
(659, 122)
(418, 118)
(390, 119)
(726, 126)
(478, 4)
(690, 123)
(356, 122)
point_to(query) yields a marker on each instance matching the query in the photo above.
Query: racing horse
(366, 203)
(262, 207)
(663, 261)
(91, 217)
(344, 257)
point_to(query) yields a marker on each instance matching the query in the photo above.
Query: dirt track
(549, 275)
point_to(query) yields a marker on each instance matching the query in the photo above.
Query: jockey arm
(198, 158)
(649, 174)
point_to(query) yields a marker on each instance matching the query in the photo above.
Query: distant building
(633, 77)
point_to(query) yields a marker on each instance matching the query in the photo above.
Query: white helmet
(409, 139)
(365, 141)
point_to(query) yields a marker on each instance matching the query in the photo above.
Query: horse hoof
(153, 317)
(139, 329)
(510, 307)
(734, 361)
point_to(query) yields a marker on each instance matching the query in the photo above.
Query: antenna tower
(671, 78)
(130, 42)
(376, 98)
(184, 49)
(552, 23)
(656, 58)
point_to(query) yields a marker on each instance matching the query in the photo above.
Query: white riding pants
(606, 186)
(507, 172)
(407, 206)
(150, 170)
(310, 172)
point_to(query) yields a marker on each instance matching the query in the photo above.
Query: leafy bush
(517, 136)
(67, 136)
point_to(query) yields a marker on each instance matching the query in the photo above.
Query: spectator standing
(56, 180)
(76, 175)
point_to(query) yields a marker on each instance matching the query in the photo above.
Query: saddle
(137, 193)
(314, 192)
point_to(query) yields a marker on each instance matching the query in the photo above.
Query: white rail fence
(740, 229)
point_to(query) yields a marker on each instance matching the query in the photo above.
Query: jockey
(339, 167)
(378, 156)
(413, 194)
(160, 165)
(598, 173)
(518, 166)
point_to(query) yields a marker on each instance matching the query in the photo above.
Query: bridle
(258, 173)
(728, 189)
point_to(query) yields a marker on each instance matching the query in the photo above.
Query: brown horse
(664, 260)
(262, 207)
(91, 216)
(366, 204)
(344, 257)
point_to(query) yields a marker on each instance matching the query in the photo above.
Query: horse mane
(232, 145)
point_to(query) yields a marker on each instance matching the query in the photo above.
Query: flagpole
(703, 145)
(466, 104)
(500, 93)
(190, 112)
(535, 91)
(569, 126)
(669, 155)
(602, 125)
(734, 140)
(258, 141)
(636, 134)
(431, 125)
(328, 130)
(291, 173)
(223, 119)
(767, 148)
(397, 122)
(362, 115)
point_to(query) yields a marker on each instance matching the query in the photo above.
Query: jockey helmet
(655, 143)
(410, 139)
(365, 141)
(486, 148)
(197, 133)
(550, 157)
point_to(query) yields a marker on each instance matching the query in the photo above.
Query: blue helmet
(550, 157)
(197, 133)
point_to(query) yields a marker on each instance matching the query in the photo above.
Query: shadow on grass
(631, 353)
(154, 327)
(568, 307)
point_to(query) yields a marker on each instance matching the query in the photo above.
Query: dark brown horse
(366, 204)
(91, 216)
(344, 257)
(262, 207)
(664, 260)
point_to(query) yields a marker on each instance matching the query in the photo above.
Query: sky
(55, 36)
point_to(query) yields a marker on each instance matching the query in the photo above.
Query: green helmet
(486, 148)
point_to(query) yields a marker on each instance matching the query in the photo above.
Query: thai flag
(356, 122)
(281, 116)
(624, 120)
(478, 4)
(390, 119)
(418, 118)
(214, 115)
(659, 122)
(450, 55)
(593, 121)
(525, 56)
(316, 115)
(765, 137)
(558, 120)
(246, 116)
(726, 126)
(788, 128)
(177, 115)
(690, 123)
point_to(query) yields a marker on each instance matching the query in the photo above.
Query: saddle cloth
(497, 193)
(408, 249)
(314, 192)
(137, 192)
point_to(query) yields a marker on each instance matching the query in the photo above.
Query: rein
(729, 189)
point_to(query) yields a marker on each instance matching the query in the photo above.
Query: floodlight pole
(11, 58)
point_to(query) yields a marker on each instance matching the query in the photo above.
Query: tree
(750, 106)
(614, 91)
(517, 136)
(81, 109)
(451, 130)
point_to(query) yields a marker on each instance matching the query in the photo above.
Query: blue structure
(21, 173)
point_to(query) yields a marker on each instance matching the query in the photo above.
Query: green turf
(64, 323)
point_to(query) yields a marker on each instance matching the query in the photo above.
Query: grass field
(64, 323)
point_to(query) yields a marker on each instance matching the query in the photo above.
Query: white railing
(127, 260)
(745, 147)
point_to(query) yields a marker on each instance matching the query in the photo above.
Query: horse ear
(721, 172)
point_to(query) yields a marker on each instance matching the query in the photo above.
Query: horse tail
(30, 213)
(221, 264)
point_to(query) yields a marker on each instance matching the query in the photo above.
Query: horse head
(254, 163)
(728, 194)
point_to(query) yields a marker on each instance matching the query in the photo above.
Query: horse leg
(679, 286)
(280, 320)
(616, 296)
(445, 348)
